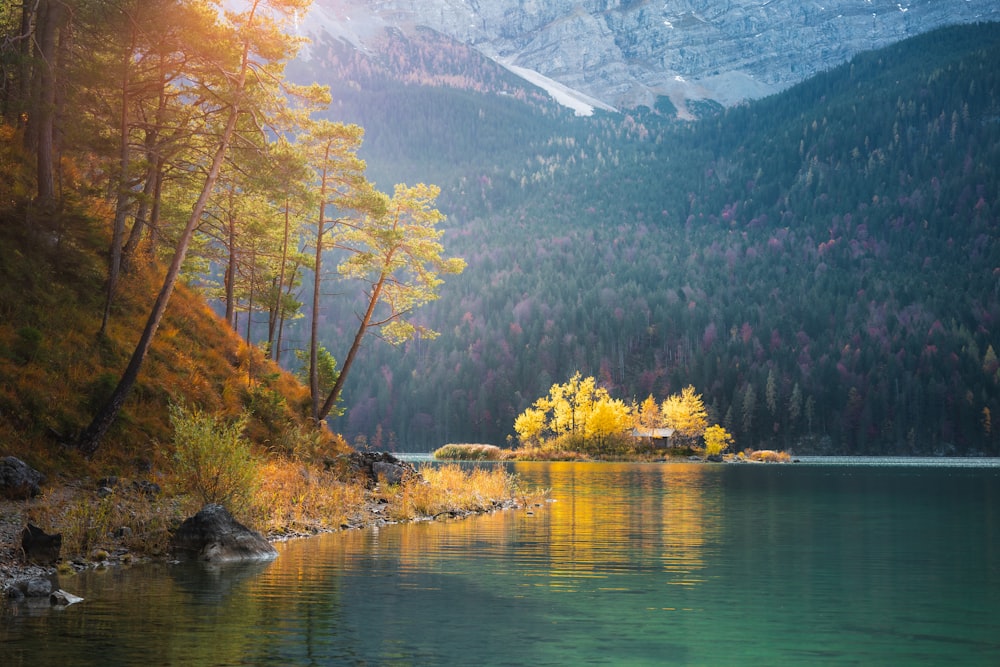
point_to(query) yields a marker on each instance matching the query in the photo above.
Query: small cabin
(657, 437)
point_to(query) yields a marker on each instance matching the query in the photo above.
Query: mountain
(625, 53)
(821, 264)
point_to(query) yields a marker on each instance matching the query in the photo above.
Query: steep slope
(55, 371)
(629, 52)
(820, 264)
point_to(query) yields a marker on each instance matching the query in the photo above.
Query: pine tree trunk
(230, 279)
(272, 321)
(98, 428)
(338, 386)
(314, 323)
(124, 200)
(42, 130)
(18, 90)
(317, 279)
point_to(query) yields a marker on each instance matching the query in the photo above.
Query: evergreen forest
(822, 265)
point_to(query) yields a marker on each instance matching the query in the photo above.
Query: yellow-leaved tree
(717, 440)
(608, 417)
(647, 415)
(578, 414)
(530, 424)
(685, 413)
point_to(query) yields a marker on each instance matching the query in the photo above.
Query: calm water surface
(655, 564)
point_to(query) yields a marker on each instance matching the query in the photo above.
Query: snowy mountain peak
(622, 53)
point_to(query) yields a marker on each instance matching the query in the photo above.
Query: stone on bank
(213, 535)
(18, 480)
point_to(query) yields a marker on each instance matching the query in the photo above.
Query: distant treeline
(824, 264)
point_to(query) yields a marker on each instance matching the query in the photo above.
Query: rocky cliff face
(628, 52)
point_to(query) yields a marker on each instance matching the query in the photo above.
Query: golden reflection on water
(606, 520)
(612, 517)
(667, 564)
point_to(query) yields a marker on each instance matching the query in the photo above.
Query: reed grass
(298, 498)
(450, 489)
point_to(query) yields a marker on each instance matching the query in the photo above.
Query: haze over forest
(822, 265)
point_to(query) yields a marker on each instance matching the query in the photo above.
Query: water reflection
(627, 518)
(212, 583)
(633, 564)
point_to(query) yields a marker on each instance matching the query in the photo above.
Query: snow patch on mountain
(581, 103)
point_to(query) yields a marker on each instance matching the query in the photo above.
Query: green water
(679, 564)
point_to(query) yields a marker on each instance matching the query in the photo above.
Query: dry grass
(297, 498)
(544, 453)
(126, 519)
(453, 490)
(770, 456)
(455, 452)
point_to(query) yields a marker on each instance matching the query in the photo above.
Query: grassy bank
(125, 520)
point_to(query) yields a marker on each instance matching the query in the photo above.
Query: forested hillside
(823, 265)
(127, 143)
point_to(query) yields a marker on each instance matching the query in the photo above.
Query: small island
(580, 421)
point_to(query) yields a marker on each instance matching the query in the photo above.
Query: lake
(825, 562)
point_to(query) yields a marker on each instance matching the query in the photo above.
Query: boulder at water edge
(18, 480)
(214, 535)
(33, 587)
(40, 547)
(372, 467)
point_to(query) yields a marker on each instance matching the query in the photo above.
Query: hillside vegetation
(152, 154)
(821, 265)
(55, 370)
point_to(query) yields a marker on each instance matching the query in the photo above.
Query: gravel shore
(12, 522)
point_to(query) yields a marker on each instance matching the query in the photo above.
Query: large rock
(214, 535)
(40, 547)
(18, 480)
(372, 467)
(34, 587)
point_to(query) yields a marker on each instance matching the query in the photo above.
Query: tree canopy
(209, 160)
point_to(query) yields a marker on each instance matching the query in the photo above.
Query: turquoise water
(633, 564)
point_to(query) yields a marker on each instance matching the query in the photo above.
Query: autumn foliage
(580, 416)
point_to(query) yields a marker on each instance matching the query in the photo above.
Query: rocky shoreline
(16, 573)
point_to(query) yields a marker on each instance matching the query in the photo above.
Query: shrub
(99, 390)
(298, 498)
(306, 443)
(27, 344)
(269, 407)
(213, 460)
(455, 452)
(770, 456)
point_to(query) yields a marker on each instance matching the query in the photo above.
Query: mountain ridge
(629, 53)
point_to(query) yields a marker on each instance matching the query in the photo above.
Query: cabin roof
(652, 432)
